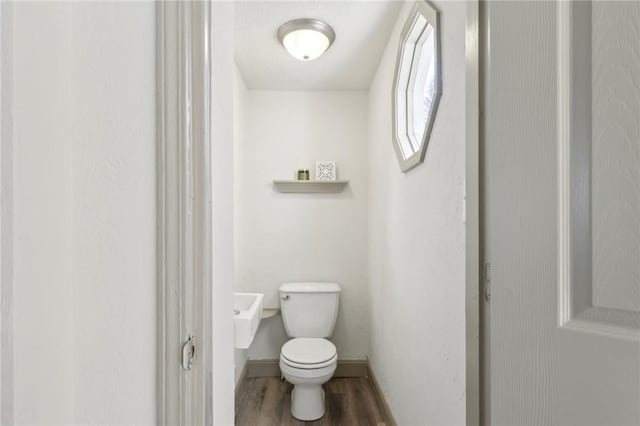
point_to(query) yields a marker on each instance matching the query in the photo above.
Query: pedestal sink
(247, 312)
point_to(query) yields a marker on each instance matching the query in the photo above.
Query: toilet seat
(309, 353)
(315, 366)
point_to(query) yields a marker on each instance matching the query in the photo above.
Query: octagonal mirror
(416, 85)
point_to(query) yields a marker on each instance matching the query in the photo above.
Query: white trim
(484, 22)
(564, 161)
(472, 214)
(599, 328)
(416, 157)
(183, 210)
(6, 216)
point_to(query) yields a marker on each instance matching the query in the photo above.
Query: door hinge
(487, 282)
(188, 352)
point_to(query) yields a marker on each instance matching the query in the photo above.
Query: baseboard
(352, 368)
(271, 368)
(380, 399)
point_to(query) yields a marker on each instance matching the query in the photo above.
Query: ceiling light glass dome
(306, 39)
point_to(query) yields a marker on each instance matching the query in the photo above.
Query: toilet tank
(309, 309)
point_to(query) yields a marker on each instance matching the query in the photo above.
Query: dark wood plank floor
(266, 401)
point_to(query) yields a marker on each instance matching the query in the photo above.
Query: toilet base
(307, 402)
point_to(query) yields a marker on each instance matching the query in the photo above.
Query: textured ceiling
(362, 31)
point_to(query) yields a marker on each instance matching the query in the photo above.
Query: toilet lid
(308, 350)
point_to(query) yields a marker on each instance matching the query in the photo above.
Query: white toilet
(309, 312)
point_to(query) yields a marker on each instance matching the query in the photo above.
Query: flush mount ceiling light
(306, 39)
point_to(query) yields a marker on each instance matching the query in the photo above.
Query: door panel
(615, 175)
(519, 176)
(561, 212)
(599, 208)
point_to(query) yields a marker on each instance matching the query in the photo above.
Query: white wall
(417, 248)
(222, 133)
(114, 280)
(6, 215)
(84, 200)
(303, 237)
(239, 122)
(42, 235)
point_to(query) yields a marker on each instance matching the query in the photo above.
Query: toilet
(308, 360)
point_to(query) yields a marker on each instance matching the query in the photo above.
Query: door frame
(184, 210)
(483, 270)
(472, 215)
(183, 77)
(6, 215)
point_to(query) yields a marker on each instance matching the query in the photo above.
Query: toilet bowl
(308, 363)
(308, 360)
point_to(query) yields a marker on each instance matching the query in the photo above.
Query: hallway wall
(84, 312)
(114, 209)
(42, 244)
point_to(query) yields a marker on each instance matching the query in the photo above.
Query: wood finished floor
(266, 401)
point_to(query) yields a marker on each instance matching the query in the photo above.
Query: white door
(561, 213)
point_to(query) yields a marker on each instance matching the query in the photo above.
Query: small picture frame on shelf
(326, 170)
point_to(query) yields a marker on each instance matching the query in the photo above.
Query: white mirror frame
(401, 124)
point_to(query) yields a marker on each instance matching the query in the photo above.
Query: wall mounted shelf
(310, 186)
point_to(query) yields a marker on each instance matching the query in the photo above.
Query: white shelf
(310, 186)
